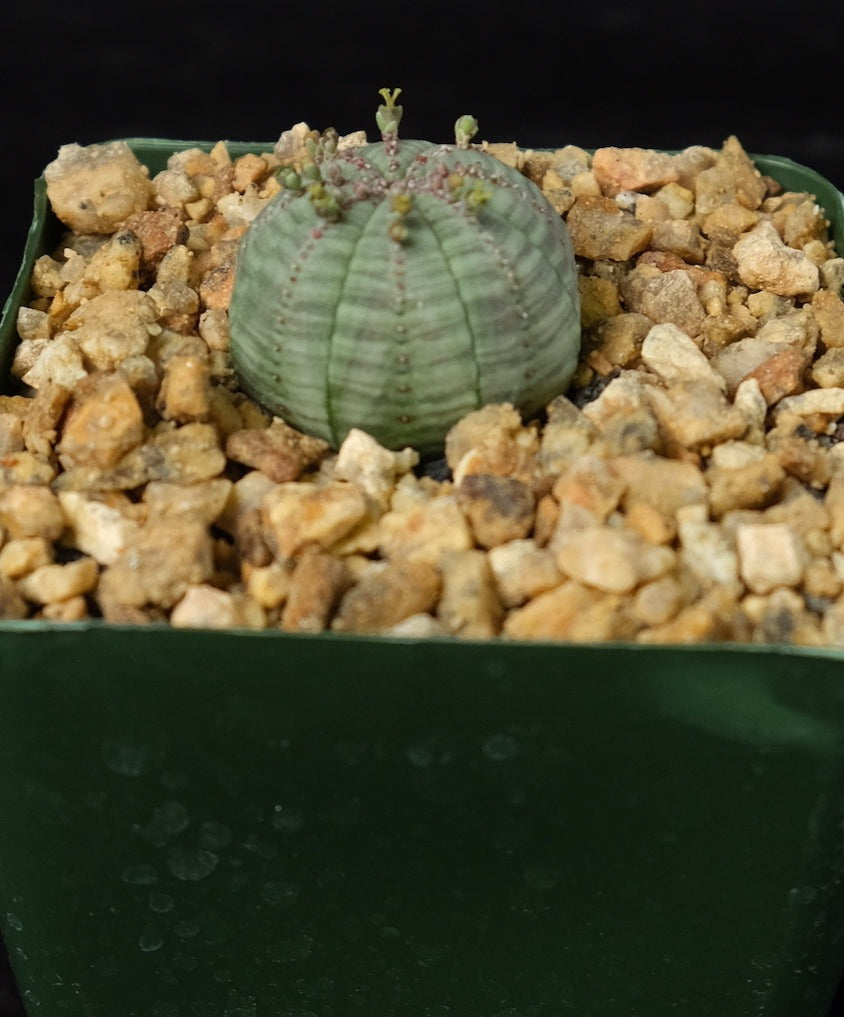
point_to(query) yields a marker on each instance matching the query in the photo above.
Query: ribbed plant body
(400, 286)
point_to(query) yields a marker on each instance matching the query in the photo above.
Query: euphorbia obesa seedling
(398, 285)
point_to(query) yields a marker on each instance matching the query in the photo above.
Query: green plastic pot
(232, 824)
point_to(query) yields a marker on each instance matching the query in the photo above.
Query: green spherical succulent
(396, 286)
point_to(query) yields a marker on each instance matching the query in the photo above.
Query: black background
(654, 74)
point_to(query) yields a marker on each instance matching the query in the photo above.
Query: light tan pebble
(800, 220)
(740, 358)
(290, 147)
(832, 274)
(507, 152)
(679, 200)
(27, 354)
(560, 198)
(821, 580)
(249, 169)
(568, 612)
(681, 237)
(113, 266)
(706, 550)
(799, 451)
(58, 361)
(696, 415)
(728, 221)
(632, 169)
(19, 406)
(590, 481)
(103, 423)
(753, 485)
(46, 278)
(363, 461)
(423, 532)
(401, 589)
(750, 401)
(98, 529)
(733, 177)
(780, 618)
(612, 560)
(674, 356)
(93, 189)
(550, 615)
(599, 300)
(185, 387)
(765, 305)
(600, 229)
(469, 605)
(214, 329)
(12, 606)
(204, 500)
(535, 164)
(522, 570)
(74, 609)
(770, 555)
(669, 297)
(279, 451)
(498, 425)
(246, 494)
(11, 433)
(250, 539)
(765, 262)
(828, 310)
(650, 209)
(569, 160)
(32, 324)
(818, 252)
(184, 455)
(22, 555)
(654, 526)
(665, 484)
(205, 607)
(734, 455)
(169, 556)
(416, 626)
(794, 328)
(620, 338)
(824, 401)
(828, 370)
(241, 209)
(694, 624)
(50, 583)
(113, 326)
(566, 435)
(173, 188)
(834, 504)
(194, 161)
(585, 185)
(268, 585)
(298, 514)
(657, 602)
(201, 209)
(498, 509)
(25, 468)
(31, 510)
(622, 398)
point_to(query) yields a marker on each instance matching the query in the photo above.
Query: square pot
(240, 824)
